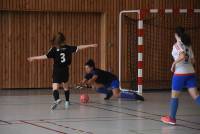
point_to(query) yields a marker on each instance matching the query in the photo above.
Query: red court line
(196, 123)
(135, 115)
(47, 128)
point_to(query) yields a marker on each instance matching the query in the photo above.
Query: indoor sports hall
(99, 67)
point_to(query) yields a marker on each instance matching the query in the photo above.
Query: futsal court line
(8, 123)
(122, 113)
(47, 128)
(80, 118)
(115, 111)
(144, 117)
(196, 123)
(25, 104)
(74, 129)
(17, 122)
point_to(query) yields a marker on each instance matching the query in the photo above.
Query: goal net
(158, 42)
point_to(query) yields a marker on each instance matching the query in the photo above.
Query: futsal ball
(84, 98)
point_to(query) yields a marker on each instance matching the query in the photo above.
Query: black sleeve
(51, 53)
(88, 76)
(97, 72)
(72, 49)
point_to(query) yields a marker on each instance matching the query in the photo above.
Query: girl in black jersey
(61, 53)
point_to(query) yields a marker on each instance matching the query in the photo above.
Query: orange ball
(84, 98)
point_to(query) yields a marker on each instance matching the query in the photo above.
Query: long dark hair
(58, 39)
(185, 38)
(90, 63)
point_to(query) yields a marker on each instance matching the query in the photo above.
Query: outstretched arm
(86, 46)
(42, 57)
(88, 82)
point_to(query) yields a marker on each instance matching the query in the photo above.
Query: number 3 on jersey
(63, 59)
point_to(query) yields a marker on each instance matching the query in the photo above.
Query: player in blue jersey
(105, 82)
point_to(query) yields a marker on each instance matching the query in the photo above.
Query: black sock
(56, 95)
(67, 95)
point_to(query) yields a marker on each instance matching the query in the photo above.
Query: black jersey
(103, 77)
(62, 56)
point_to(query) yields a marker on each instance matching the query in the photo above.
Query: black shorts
(60, 74)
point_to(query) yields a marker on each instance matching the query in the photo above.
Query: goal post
(141, 13)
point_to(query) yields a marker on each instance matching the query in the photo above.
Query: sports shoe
(138, 97)
(168, 120)
(67, 104)
(55, 104)
(109, 95)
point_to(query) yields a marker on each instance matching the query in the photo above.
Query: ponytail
(185, 38)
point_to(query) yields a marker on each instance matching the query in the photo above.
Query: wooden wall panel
(28, 34)
(33, 22)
